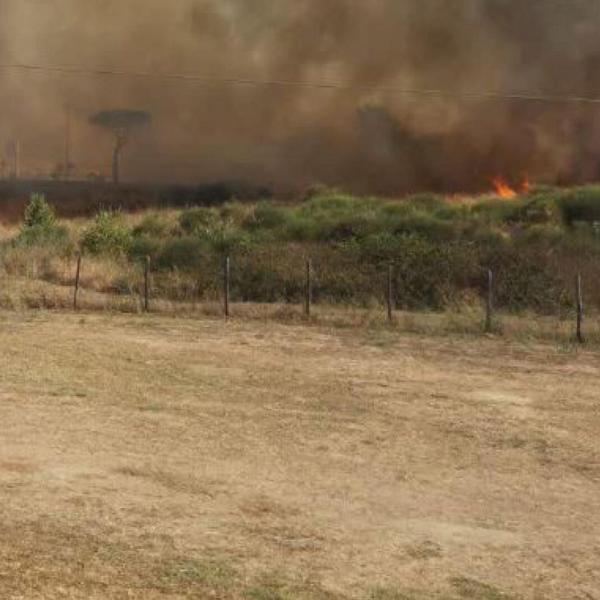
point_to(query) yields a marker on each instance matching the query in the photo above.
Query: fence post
(77, 279)
(147, 284)
(390, 293)
(226, 285)
(489, 306)
(579, 296)
(308, 289)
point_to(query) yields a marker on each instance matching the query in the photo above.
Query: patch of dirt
(152, 457)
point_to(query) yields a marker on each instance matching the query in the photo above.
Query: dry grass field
(164, 457)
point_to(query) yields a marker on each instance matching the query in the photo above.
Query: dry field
(162, 457)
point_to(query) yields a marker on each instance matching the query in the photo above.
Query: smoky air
(362, 133)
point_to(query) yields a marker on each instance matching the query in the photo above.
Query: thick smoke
(358, 136)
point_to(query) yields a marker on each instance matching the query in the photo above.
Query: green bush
(440, 251)
(152, 225)
(235, 213)
(426, 226)
(431, 275)
(580, 205)
(40, 226)
(37, 235)
(143, 246)
(107, 235)
(300, 228)
(225, 240)
(529, 284)
(267, 216)
(377, 248)
(493, 211)
(348, 227)
(38, 213)
(184, 254)
(196, 220)
(541, 235)
(338, 206)
(536, 211)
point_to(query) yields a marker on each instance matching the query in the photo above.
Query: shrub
(338, 206)
(526, 278)
(440, 252)
(142, 247)
(301, 229)
(267, 216)
(152, 225)
(378, 247)
(107, 235)
(580, 205)
(235, 213)
(430, 275)
(536, 211)
(529, 284)
(46, 236)
(198, 220)
(40, 226)
(542, 234)
(185, 254)
(426, 226)
(496, 212)
(38, 213)
(225, 240)
(345, 228)
(334, 217)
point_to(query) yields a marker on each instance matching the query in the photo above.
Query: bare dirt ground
(152, 457)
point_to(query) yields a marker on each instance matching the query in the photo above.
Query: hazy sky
(356, 135)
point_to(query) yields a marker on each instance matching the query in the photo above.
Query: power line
(325, 85)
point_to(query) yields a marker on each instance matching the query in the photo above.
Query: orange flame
(504, 190)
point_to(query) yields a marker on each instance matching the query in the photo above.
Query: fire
(504, 189)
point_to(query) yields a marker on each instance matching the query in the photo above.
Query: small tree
(40, 225)
(121, 123)
(107, 234)
(38, 213)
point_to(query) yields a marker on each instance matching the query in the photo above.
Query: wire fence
(224, 283)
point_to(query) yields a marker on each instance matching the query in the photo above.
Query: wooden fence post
(579, 296)
(308, 289)
(77, 280)
(390, 294)
(489, 306)
(226, 286)
(147, 284)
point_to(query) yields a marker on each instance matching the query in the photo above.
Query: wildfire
(504, 189)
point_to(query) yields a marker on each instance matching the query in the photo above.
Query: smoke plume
(363, 134)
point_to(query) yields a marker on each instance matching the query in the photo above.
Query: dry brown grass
(153, 456)
(37, 281)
